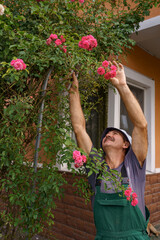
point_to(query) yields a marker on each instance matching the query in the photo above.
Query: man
(115, 217)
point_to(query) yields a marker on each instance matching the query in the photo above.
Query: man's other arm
(77, 118)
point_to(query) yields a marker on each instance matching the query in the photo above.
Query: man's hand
(151, 229)
(120, 79)
(74, 85)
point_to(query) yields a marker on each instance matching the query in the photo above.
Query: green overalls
(115, 217)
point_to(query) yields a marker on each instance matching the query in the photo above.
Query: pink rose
(58, 42)
(64, 49)
(107, 76)
(76, 154)
(105, 63)
(80, 44)
(53, 36)
(85, 44)
(24, 66)
(62, 39)
(127, 193)
(93, 43)
(18, 64)
(101, 71)
(112, 73)
(79, 159)
(84, 159)
(20, 60)
(85, 38)
(130, 189)
(134, 195)
(113, 67)
(88, 42)
(49, 40)
(12, 62)
(134, 202)
(76, 165)
(128, 198)
(81, 1)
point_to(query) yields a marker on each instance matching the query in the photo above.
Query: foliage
(24, 28)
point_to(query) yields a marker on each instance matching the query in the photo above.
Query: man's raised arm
(139, 134)
(77, 118)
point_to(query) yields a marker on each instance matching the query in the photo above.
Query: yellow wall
(144, 63)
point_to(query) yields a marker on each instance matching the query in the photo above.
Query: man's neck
(114, 159)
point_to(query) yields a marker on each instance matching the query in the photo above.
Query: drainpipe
(40, 119)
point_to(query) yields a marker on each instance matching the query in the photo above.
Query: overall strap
(124, 181)
(98, 181)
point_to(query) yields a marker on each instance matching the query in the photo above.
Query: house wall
(154, 12)
(148, 65)
(74, 219)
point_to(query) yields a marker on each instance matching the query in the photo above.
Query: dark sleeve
(92, 178)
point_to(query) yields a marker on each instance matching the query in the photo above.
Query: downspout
(40, 119)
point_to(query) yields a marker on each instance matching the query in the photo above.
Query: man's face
(114, 139)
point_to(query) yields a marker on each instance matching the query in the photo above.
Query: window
(125, 122)
(144, 90)
(98, 119)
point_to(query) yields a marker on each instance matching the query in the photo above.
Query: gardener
(115, 217)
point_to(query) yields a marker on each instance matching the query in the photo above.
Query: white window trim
(136, 79)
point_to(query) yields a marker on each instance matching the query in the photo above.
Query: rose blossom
(62, 39)
(49, 40)
(79, 159)
(1, 9)
(134, 202)
(53, 36)
(58, 42)
(76, 154)
(112, 73)
(88, 42)
(127, 193)
(12, 62)
(101, 71)
(105, 63)
(107, 76)
(93, 43)
(84, 159)
(64, 49)
(113, 67)
(80, 44)
(130, 189)
(134, 195)
(18, 64)
(81, 1)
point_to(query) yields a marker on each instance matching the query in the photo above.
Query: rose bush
(35, 31)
